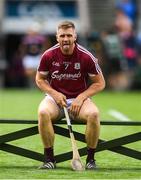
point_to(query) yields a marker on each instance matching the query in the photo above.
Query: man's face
(66, 39)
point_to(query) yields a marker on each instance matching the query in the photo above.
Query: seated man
(62, 74)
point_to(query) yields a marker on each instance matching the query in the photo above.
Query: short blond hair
(66, 25)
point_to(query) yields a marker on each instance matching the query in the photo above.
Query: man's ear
(75, 36)
(56, 37)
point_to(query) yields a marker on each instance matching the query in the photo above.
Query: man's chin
(66, 47)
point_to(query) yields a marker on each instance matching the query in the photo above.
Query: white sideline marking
(118, 115)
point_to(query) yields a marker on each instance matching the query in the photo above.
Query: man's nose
(65, 38)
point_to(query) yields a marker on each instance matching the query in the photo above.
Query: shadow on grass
(33, 168)
(119, 169)
(18, 167)
(60, 168)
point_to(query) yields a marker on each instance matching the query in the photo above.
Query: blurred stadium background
(111, 30)
(97, 30)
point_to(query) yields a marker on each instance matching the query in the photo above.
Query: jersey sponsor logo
(77, 66)
(56, 75)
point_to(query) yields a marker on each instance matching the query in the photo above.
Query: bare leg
(47, 113)
(89, 113)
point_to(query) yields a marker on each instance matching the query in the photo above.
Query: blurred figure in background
(125, 30)
(129, 8)
(126, 33)
(137, 74)
(116, 64)
(32, 45)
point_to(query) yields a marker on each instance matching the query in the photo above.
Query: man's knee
(43, 115)
(93, 117)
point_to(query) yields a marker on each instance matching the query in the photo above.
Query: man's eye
(69, 35)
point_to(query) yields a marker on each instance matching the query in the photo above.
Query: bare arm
(44, 85)
(97, 85)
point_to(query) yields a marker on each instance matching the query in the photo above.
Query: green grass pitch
(23, 104)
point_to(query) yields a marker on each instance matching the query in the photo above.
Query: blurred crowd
(118, 49)
(24, 62)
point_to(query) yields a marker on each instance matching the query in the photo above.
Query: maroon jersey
(68, 74)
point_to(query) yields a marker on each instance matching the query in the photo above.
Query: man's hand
(59, 98)
(76, 105)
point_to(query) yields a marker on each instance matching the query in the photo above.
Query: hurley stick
(76, 163)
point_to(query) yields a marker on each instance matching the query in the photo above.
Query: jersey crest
(77, 66)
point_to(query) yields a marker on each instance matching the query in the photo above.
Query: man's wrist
(83, 97)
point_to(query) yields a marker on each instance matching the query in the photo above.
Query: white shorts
(61, 115)
(69, 101)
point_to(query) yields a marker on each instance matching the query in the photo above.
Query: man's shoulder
(85, 53)
(51, 51)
